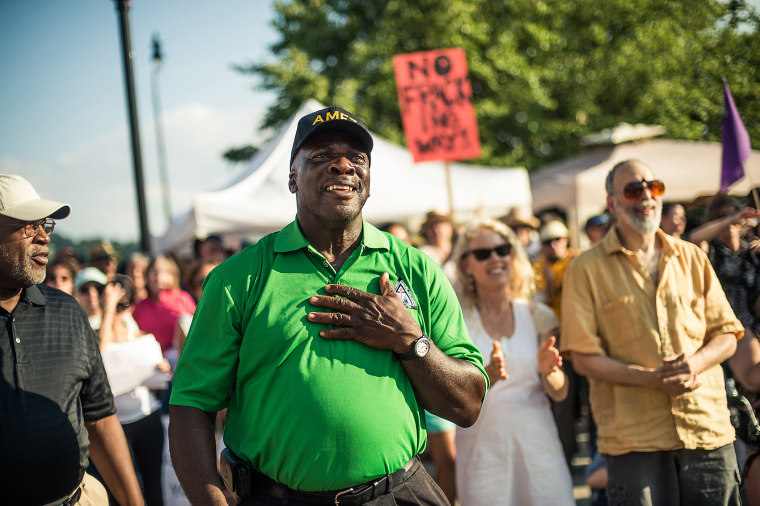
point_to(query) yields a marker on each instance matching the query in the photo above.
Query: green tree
(240, 153)
(544, 73)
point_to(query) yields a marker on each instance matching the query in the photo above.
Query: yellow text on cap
(331, 116)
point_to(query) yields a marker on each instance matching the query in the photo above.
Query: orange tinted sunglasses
(636, 190)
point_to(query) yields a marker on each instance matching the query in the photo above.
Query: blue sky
(64, 123)
(64, 109)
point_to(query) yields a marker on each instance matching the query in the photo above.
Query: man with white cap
(551, 265)
(55, 401)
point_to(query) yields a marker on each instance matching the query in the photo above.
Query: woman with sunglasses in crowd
(137, 407)
(512, 454)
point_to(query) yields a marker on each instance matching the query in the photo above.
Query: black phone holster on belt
(236, 475)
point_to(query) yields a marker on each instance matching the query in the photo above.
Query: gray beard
(22, 275)
(646, 225)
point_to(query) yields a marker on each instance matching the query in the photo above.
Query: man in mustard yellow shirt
(645, 318)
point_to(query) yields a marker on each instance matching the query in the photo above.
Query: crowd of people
(333, 353)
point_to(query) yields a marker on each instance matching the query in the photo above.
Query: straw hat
(520, 217)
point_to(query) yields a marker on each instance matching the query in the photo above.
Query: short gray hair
(613, 171)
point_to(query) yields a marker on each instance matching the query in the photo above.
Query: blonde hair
(521, 279)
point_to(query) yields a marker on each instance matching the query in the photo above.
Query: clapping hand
(112, 294)
(495, 369)
(549, 359)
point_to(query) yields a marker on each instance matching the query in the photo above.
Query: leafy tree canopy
(240, 153)
(544, 73)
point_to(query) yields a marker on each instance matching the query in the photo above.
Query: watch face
(421, 347)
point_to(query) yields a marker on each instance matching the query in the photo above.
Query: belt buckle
(337, 496)
(73, 498)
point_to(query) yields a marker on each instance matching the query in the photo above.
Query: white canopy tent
(689, 170)
(258, 201)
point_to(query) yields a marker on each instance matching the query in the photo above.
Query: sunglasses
(483, 254)
(636, 190)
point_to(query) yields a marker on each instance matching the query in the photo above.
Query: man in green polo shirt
(325, 341)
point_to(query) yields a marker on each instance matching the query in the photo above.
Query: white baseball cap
(90, 275)
(20, 201)
(551, 230)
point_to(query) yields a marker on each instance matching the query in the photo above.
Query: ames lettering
(332, 116)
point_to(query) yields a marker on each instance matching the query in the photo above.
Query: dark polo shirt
(52, 382)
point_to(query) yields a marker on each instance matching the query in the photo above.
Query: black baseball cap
(330, 118)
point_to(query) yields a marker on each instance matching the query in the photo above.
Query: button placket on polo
(321, 264)
(19, 355)
(350, 261)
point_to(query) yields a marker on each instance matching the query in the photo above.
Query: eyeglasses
(483, 254)
(635, 191)
(121, 306)
(32, 227)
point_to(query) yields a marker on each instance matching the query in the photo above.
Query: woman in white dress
(512, 454)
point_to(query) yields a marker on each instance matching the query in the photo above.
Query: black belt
(356, 495)
(73, 498)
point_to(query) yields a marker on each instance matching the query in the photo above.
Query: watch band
(413, 352)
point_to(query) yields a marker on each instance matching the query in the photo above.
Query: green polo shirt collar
(291, 238)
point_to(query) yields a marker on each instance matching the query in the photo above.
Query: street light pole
(157, 59)
(126, 51)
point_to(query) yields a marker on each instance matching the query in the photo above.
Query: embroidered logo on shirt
(406, 294)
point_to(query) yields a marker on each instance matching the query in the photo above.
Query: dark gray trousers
(675, 477)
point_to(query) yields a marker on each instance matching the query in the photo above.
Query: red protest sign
(435, 97)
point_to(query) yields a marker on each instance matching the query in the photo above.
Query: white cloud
(97, 177)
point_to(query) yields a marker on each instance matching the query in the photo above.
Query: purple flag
(736, 146)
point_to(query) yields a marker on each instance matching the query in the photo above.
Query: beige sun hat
(520, 217)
